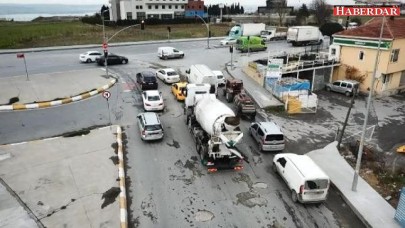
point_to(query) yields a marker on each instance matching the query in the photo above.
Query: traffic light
(231, 49)
(169, 29)
(143, 25)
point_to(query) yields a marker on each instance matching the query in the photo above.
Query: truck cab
(194, 92)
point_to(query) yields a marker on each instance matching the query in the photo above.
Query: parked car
(112, 59)
(308, 183)
(268, 135)
(177, 90)
(220, 77)
(152, 100)
(347, 87)
(228, 41)
(169, 53)
(89, 56)
(147, 80)
(168, 75)
(150, 126)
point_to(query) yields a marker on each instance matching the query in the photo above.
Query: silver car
(347, 87)
(150, 126)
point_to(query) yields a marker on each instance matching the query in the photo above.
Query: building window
(333, 51)
(140, 15)
(199, 6)
(163, 6)
(170, 6)
(361, 55)
(136, 7)
(140, 7)
(386, 78)
(182, 6)
(129, 15)
(394, 55)
(156, 6)
(149, 7)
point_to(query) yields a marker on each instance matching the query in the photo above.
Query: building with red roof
(357, 48)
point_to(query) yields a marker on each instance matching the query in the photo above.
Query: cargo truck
(304, 35)
(214, 128)
(272, 34)
(248, 29)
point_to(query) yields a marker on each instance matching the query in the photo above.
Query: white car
(168, 75)
(89, 56)
(220, 77)
(228, 41)
(152, 100)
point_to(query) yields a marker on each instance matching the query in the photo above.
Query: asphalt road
(168, 187)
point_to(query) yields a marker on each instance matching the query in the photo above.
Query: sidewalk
(60, 88)
(367, 204)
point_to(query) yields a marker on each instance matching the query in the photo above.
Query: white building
(142, 9)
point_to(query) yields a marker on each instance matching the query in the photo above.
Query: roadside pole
(107, 95)
(22, 56)
(231, 51)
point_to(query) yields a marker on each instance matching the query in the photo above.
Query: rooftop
(394, 28)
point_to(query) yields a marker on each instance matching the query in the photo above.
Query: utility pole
(347, 118)
(360, 152)
(208, 30)
(105, 44)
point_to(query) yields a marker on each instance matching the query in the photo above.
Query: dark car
(147, 80)
(112, 59)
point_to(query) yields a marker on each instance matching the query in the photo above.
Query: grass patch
(46, 34)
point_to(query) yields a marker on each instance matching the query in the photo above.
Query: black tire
(328, 88)
(274, 168)
(124, 61)
(88, 60)
(294, 196)
(224, 92)
(348, 94)
(229, 97)
(164, 57)
(182, 56)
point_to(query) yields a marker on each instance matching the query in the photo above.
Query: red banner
(20, 55)
(372, 11)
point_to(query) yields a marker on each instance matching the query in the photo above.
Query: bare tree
(321, 11)
(281, 9)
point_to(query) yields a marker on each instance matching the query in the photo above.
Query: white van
(169, 53)
(200, 73)
(307, 182)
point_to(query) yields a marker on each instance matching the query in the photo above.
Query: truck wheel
(294, 196)
(224, 92)
(348, 94)
(253, 116)
(228, 97)
(328, 88)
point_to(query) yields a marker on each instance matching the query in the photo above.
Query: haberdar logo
(374, 11)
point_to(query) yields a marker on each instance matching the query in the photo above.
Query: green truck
(250, 43)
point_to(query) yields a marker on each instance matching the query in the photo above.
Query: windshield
(153, 98)
(316, 184)
(220, 76)
(171, 73)
(153, 127)
(274, 137)
(150, 79)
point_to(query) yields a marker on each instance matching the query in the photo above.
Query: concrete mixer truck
(215, 129)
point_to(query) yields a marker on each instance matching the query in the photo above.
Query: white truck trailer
(214, 128)
(304, 35)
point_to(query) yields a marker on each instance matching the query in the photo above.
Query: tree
(106, 13)
(302, 14)
(281, 10)
(321, 11)
(328, 29)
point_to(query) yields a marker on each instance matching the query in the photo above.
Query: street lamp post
(105, 43)
(208, 30)
(360, 152)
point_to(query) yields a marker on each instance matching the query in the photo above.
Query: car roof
(89, 52)
(151, 118)
(270, 127)
(307, 167)
(152, 92)
(347, 80)
(217, 72)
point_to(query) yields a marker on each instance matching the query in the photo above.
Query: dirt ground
(378, 171)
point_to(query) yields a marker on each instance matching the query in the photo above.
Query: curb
(48, 104)
(121, 176)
